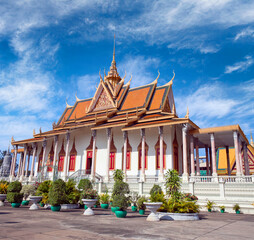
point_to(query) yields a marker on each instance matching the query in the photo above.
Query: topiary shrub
(120, 188)
(43, 190)
(72, 193)
(140, 203)
(118, 175)
(85, 184)
(13, 192)
(155, 189)
(57, 193)
(28, 190)
(120, 201)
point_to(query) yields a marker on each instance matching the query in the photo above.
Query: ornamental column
(143, 155)
(185, 164)
(125, 136)
(108, 154)
(240, 155)
(55, 152)
(197, 160)
(214, 174)
(20, 164)
(66, 159)
(33, 159)
(207, 161)
(192, 156)
(23, 164)
(246, 161)
(228, 161)
(44, 146)
(14, 162)
(238, 170)
(93, 156)
(161, 175)
(27, 165)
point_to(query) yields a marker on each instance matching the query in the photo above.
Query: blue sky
(49, 50)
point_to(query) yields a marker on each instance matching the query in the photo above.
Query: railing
(226, 179)
(80, 174)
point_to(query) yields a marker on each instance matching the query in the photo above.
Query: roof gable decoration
(102, 99)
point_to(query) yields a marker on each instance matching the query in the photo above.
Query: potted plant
(120, 201)
(13, 194)
(134, 198)
(27, 190)
(57, 194)
(104, 199)
(141, 206)
(72, 194)
(89, 198)
(85, 184)
(209, 205)
(3, 192)
(222, 209)
(43, 191)
(236, 208)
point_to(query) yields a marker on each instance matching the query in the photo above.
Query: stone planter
(178, 216)
(153, 207)
(35, 200)
(69, 206)
(2, 199)
(89, 203)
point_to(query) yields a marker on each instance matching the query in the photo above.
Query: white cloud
(240, 66)
(247, 32)
(205, 104)
(139, 67)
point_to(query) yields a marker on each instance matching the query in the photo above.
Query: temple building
(133, 129)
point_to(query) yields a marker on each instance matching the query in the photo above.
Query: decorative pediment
(102, 99)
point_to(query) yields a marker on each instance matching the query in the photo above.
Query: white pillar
(240, 154)
(20, 164)
(238, 170)
(27, 164)
(213, 155)
(185, 165)
(14, 161)
(33, 159)
(66, 160)
(125, 136)
(192, 156)
(246, 161)
(161, 175)
(228, 161)
(23, 164)
(55, 152)
(207, 161)
(143, 155)
(197, 160)
(44, 145)
(93, 156)
(108, 154)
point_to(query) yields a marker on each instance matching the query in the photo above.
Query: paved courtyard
(71, 224)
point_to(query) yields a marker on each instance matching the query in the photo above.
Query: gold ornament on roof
(40, 130)
(77, 99)
(12, 139)
(187, 113)
(34, 133)
(251, 140)
(67, 105)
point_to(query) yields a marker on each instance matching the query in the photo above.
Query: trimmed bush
(85, 184)
(28, 190)
(13, 192)
(57, 193)
(120, 188)
(72, 193)
(118, 175)
(120, 201)
(155, 189)
(14, 187)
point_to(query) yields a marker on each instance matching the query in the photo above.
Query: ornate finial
(187, 113)
(40, 130)
(12, 139)
(67, 105)
(251, 140)
(156, 80)
(77, 99)
(128, 83)
(171, 81)
(53, 124)
(34, 133)
(100, 76)
(123, 77)
(114, 51)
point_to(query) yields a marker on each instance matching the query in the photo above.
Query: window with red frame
(72, 163)
(51, 163)
(112, 161)
(158, 158)
(140, 158)
(61, 163)
(89, 157)
(128, 161)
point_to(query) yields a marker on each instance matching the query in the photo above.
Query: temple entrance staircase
(84, 174)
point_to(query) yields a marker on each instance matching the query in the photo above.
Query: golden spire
(187, 113)
(251, 140)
